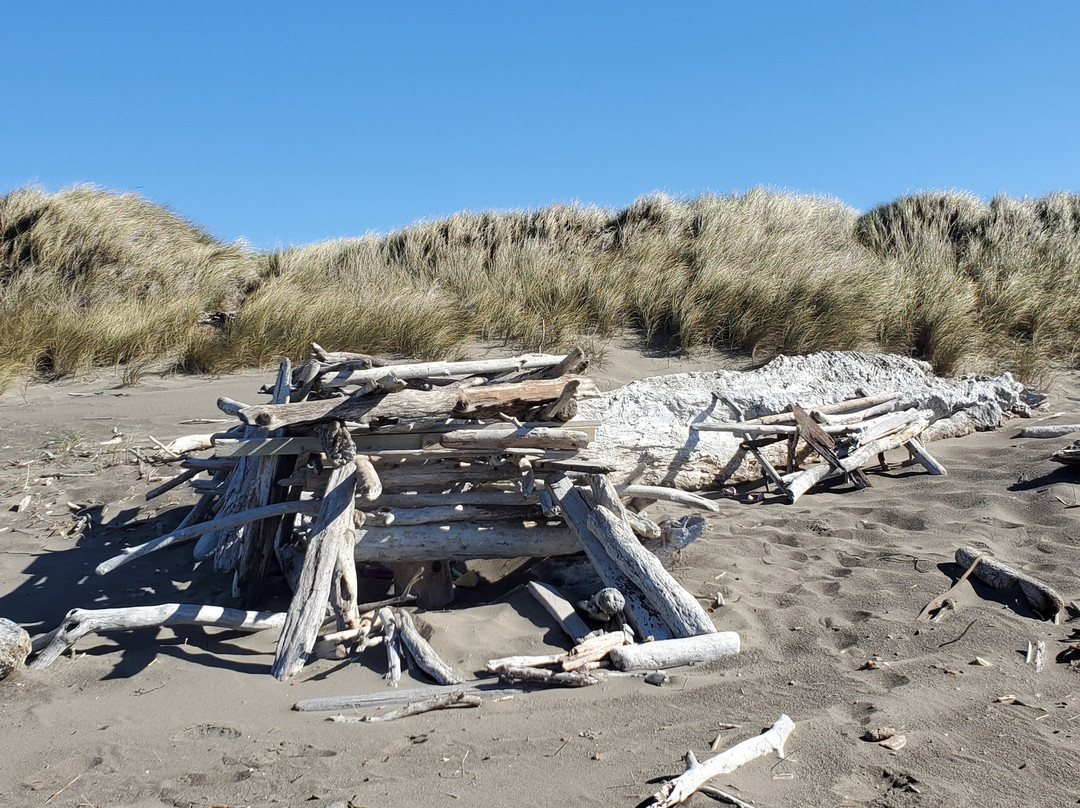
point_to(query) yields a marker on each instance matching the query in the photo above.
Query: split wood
(80, 622)
(697, 774)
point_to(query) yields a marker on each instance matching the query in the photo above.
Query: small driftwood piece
(656, 492)
(386, 698)
(592, 649)
(1043, 600)
(80, 622)
(14, 646)
(677, 791)
(542, 676)
(393, 659)
(421, 652)
(560, 608)
(459, 698)
(192, 532)
(172, 483)
(332, 535)
(662, 654)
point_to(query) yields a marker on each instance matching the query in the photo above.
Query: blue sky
(287, 123)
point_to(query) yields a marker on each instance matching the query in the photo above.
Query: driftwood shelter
(419, 466)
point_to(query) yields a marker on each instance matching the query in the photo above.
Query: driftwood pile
(416, 467)
(845, 436)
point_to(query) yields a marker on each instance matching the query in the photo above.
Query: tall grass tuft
(90, 278)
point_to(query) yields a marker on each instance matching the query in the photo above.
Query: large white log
(653, 656)
(80, 622)
(434, 370)
(697, 774)
(331, 535)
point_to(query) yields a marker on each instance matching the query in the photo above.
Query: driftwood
(524, 437)
(642, 613)
(191, 532)
(655, 492)
(444, 514)
(592, 649)
(14, 646)
(390, 697)
(410, 405)
(393, 659)
(1052, 431)
(459, 698)
(80, 622)
(425, 370)
(560, 608)
(682, 787)
(675, 653)
(1045, 601)
(331, 535)
(428, 577)
(461, 541)
(541, 676)
(421, 652)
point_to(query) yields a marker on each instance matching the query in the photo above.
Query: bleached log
(525, 437)
(886, 425)
(187, 534)
(925, 459)
(697, 774)
(461, 541)
(799, 482)
(850, 405)
(421, 370)
(604, 604)
(542, 676)
(854, 416)
(410, 405)
(992, 572)
(421, 652)
(441, 515)
(1053, 431)
(656, 492)
(14, 646)
(592, 649)
(190, 443)
(534, 661)
(751, 429)
(459, 698)
(559, 608)
(388, 697)
(643, 615)
(80, 622)
(331, 535)
(662, 654)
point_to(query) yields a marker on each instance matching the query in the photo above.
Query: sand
(817, 590)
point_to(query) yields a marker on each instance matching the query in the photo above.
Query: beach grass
(90, 278)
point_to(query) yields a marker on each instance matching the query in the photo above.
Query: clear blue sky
(287, 123)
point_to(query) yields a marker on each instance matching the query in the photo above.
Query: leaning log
(332, 531)
(434, 370)
(461, 541)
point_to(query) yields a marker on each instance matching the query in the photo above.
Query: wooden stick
(592, 649)
(172, 483)
(332, 531)
(194, 531)
(393, 659)
(1044, 600)
(80, 622)
(14, 646)
(926, 460)
(682, 787)
(655, 492)
(387, 697)
(461, 541)
(459, 698)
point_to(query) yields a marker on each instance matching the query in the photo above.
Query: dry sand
(818, 589)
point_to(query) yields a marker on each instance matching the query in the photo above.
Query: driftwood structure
(417, 467)
(845, 436)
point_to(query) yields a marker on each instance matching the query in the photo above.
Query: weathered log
(429, 577)
(576, 512)
(858, 414)
(653, 656)
(441, 515)
(592, 649)
(459, 698)
(655, 492)
(333, 531)
(750, 429)
(80, 622)
(393, 659)
(421, 652)
(1051, 431)
(399, 503)
(172, 483)
(560, 608)
(849, 405)
(1045, 601)
(191, 532)
(14, 646)
(504, 437)
(258, 547)
(388, 697)
(924, 458)
(421, 370)
(541, 676)
(886, 425)
(823, 444)
(410, 405)
(697, 774)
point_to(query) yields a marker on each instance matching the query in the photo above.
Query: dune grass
(91, 278)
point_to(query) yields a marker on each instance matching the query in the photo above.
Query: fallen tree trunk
(80, 622)
(424, 370)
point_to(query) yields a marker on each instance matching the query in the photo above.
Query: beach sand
(816, 590)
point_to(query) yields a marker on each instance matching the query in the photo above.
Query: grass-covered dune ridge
(89, 277)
